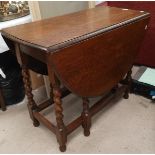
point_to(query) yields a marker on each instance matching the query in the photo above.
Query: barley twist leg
(28, 90)
(61, 129)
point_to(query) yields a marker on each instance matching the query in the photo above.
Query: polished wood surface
(90, 53)
(94, 66)
(54, 31)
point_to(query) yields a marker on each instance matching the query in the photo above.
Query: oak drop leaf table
(90, 52)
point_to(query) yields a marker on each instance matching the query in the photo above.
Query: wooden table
(89, 52)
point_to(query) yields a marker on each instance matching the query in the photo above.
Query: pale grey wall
(56, 8)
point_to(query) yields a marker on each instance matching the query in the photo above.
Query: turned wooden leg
(28, 90)
(61, 132)
(61, 129)
(128, 81)
(86, 119)
(2, 101)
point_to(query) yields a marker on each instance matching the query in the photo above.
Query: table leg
(128, 80)
(61, 132)
(2, 101)
(86, 119)
(31, 103)
(61, 129)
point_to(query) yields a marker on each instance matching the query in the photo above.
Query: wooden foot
(3, 109)
(62, 148)
(36, 123)
(86, 119)
(28, 90)
(86, 133)
(128, 81)
(126, 94)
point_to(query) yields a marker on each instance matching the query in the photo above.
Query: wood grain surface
(94, 66)
(63, 29)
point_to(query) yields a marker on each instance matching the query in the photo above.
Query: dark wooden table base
(61, 130)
